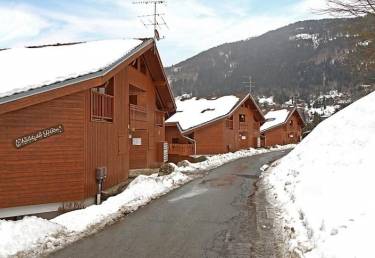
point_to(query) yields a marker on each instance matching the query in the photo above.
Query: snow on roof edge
(291, 112)
(235, 106)
(30, 91)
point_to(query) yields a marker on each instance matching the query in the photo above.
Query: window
(229, 123)
(102, 102)
(133, 99)
(291, 122)
(242, 118)
(174, 140)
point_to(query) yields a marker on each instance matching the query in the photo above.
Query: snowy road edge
(61, 232)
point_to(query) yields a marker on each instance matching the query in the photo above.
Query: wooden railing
(101, 107)
(137, 113)
(181, 149)
(159, 118)
(229, 124)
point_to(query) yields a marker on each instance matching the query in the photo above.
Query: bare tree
(366, 10)
(350, 7)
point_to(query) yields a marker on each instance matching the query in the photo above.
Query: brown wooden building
(67, 110)
(212, 126)
(282, 127)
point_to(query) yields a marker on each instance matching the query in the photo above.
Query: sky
(193, 25)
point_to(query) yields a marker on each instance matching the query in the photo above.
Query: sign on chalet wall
(39, 135)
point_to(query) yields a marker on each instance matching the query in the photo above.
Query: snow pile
(16, 236)
(139, 192)
(324, 185)
(33, 235)
(57, 63)
(193, 112)
(220, 159)
(274, 118)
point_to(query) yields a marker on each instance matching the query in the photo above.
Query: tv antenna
(250, 84)
(157, 18)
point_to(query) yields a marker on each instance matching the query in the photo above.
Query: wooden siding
(107, 141)
(281, 135)
(61, 168)
(223, 136)
(50, 170)
(209, 139)
(147, 99)
(172, 132)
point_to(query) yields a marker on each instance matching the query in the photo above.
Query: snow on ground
(57, 63)
(274, 118)
(305, 36)
(264, 100)
(325, 186)
(193, 112)
(25, 234)
(33, 236)
(323, 112)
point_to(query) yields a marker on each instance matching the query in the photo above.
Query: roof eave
(235, 107)
(82, 78)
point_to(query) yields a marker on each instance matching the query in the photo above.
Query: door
(139, 149)
(244, 140)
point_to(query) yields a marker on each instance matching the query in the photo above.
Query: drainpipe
(101, 175)
(195, 146)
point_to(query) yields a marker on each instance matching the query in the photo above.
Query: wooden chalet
(212, 126)
(67, 111)
(282, 127)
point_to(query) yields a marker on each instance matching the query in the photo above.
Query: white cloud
(193, 25)
(17, 24)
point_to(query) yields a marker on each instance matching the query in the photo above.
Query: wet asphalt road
(209, 217)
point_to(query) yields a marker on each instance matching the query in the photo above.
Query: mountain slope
(290, 61)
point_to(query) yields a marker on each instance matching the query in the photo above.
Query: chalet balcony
(101, 107)
(137, 113)
(181, 149)
(243, 126)
(159, 118)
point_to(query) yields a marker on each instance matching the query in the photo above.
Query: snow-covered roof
(274, 118)
(24, 69)
(195, 112)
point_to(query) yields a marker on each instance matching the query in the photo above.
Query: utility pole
(250, 84)
(158, 19)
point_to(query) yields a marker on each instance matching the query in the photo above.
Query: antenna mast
(250, 84)
(156, 23)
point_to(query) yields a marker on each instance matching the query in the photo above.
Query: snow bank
(34, 236)
(57, 63)
(16, 236)
(193, 112)
(220, 159)
(324, 185)
(139, 192)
